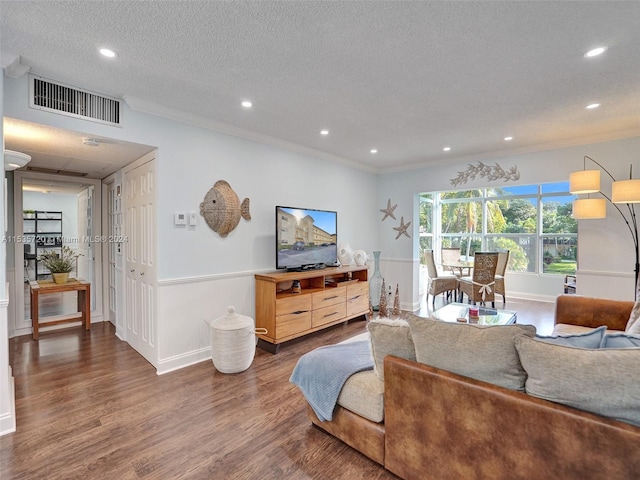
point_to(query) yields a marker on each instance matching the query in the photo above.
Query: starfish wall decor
(388, 212)
(402, 229)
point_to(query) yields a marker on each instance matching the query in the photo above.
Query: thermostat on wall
(180, 218)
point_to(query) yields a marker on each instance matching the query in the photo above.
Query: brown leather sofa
(439, 425)
(592, 312)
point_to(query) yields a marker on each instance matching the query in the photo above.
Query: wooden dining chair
(501, 268)
(480, 287)
(439, 283)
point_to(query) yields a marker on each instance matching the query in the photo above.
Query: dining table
(458, 267)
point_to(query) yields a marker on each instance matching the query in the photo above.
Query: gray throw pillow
(600, 381)
(590, 339)
(620, 340)
(390, 337)
(485, 353)
(633, 325)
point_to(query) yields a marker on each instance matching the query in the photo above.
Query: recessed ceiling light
(324, 132)
(508, 139)
(374, 150)
(594, 52)
(107, 52)
(592, 106)
(247, 104)
(446, 149)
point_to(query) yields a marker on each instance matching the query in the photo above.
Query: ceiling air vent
(55, 97)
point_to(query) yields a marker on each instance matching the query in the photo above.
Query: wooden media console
(327, 297)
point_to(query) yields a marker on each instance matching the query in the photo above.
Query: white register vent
(45, 94)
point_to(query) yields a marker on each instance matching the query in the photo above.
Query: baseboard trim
(8, 420)
(527, 296)
(184, 360)
(602, 273)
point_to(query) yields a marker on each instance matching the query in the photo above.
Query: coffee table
(488, 316)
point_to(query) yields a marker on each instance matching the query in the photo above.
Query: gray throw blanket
(321, 373)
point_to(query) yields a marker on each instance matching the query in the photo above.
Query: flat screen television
(305, 238)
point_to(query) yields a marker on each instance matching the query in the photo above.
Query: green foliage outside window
(518, 260)
(520, 216)
(511, 224)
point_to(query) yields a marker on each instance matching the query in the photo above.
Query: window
(559, 235)
(426, 222)
(533, 222)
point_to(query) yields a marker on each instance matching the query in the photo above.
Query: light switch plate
(179, 218)
(193, 219)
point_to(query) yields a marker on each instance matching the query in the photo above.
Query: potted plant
(29, 213)
(60, 264)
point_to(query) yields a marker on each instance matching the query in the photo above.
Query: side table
(44, 287)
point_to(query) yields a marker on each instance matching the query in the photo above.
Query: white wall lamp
(13, 160)
(625, 192)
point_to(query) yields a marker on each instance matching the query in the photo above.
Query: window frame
(544, 193)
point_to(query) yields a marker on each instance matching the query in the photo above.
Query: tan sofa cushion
(390, 337)
(601, 381)
(485, 353)
(363, 394)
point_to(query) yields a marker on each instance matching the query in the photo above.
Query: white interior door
(140, 269)
(86, 241)
(114, 247)
(85, 233)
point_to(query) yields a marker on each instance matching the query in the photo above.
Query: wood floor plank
(88, 406)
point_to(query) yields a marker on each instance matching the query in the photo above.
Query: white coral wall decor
(491, 173)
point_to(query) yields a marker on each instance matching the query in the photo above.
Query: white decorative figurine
(360, 257)
(345, 254)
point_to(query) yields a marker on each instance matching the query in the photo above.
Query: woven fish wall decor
(222, 209)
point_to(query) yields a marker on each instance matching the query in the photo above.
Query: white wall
(200, 273)
(55, 202)
(7, 397)
(605, 252)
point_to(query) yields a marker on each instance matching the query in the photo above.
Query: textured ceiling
(407, 78)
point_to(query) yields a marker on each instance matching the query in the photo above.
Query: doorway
(100, 163)
(112, 219)
(66, 214)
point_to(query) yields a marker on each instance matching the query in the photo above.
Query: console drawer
(328, 314)
(329, 296)
(293, 304)
(292, 323)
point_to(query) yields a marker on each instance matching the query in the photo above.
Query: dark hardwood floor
(89, 406)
